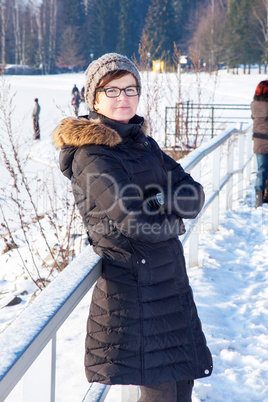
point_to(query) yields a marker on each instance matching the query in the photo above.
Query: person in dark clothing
(82, 94)
(76, 100)
(35, 116)
(259, 109)
(143, 327)
(75, 89)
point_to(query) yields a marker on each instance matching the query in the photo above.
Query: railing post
(178, 122)
(230, 167)
(187, 117)
(191, 129)
(165, 126)
(212, 121)
(194, 238)
(249, 153)
(216, 188)
(39, 380)
(241, 152)
(129, 393)
(53, 367)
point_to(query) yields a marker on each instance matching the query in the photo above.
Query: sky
(229, 284)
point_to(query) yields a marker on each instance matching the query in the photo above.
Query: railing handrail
(195, 157)
(22, 342)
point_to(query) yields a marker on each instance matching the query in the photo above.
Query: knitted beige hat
(100, 67)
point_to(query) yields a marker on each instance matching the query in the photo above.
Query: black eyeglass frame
(138, 88)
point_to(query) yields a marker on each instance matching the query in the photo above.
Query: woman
(143, 326)
(259, 108)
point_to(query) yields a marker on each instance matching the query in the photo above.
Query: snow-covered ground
(230, 283)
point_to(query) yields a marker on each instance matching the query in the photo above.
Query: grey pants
(180, 391)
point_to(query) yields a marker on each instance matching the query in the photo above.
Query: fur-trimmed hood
(86, 130)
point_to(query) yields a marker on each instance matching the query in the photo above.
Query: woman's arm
(106, 185)
(182, 194)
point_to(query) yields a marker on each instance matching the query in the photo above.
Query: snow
(230, 290)
(230, 283)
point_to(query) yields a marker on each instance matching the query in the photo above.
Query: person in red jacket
(143, 327)
(259, 108)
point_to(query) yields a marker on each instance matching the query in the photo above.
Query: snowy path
(230, 288)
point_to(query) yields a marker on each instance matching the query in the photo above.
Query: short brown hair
(112, 75)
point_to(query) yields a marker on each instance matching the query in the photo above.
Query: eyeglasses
(115, 92)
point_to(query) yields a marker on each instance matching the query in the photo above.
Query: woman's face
(122, 108)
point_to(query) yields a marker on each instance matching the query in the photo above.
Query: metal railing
(32, 334)
(223, 172)
(188, 122)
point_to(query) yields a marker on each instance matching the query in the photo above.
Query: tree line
(68, 34)
(233, 32)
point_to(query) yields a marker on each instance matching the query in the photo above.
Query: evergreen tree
(73, 13)
(239, 43)
(128, 35)
(142, 7)
(88, 30)
(105, 27)
(37, 33)
(160, 27)
(115, 25)
(186, 17)
(260, 28)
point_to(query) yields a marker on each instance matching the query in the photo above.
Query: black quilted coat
(143, 326)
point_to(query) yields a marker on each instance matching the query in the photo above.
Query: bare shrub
(36, 217)
(152, 89)
(187, 121)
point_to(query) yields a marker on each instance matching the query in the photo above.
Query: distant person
(35, 116)
(75, 89)
(76, 102)
(259, 108)
(143, 326)
(82, 94)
